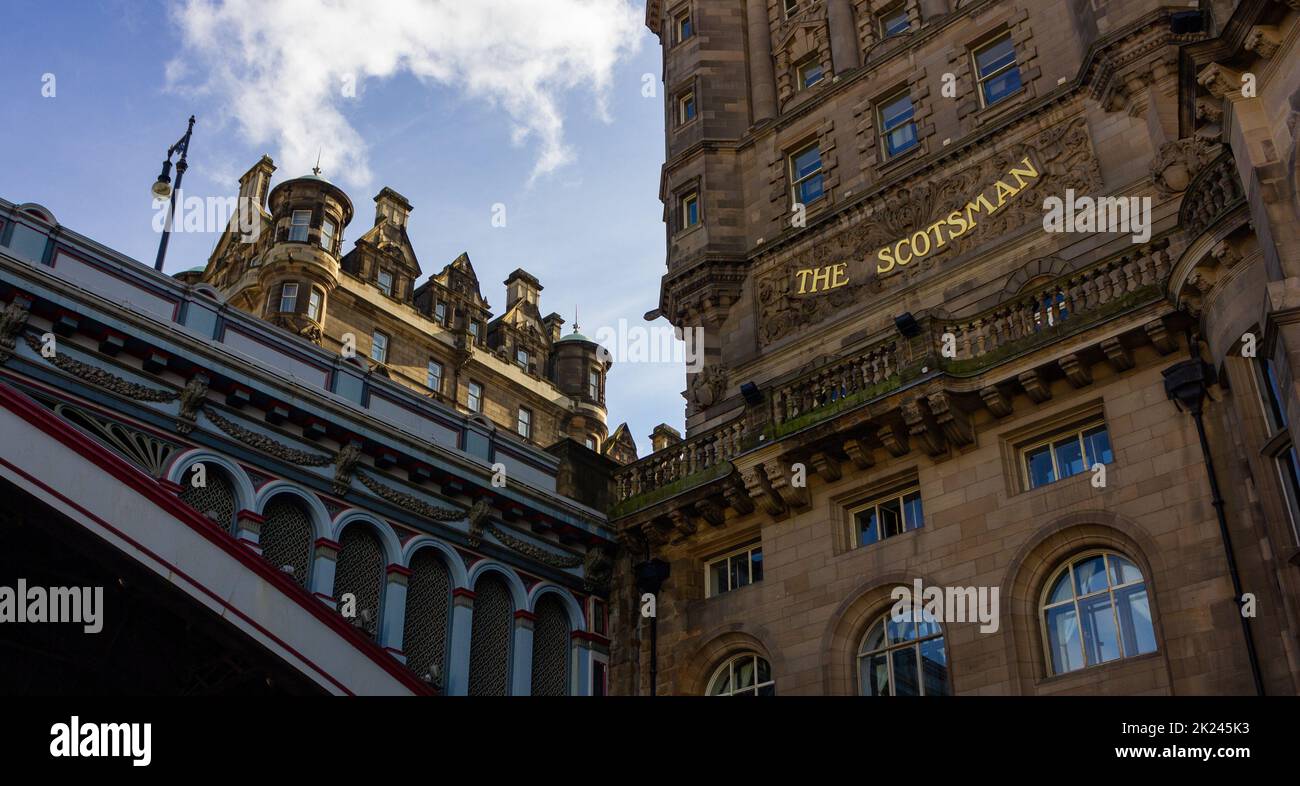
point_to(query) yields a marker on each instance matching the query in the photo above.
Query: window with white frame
(897, 126)
(522, 358)
(474, 398)
(593, 385)
(288, 298)
(996, 70)
(433, 377)
(806, 174)
(313, 304)
(737, 569)
(474, 329)
(904, 655)
(385, 282)
(1066, 455)
(747, 674)
(690, 210)
(379, 347)
(440, 312)
(591, 442)
(810, 72)
(524, 423)
(1279, 447)
(885, 516)
(298, 224)
(1096, 610)
(683, 27)
(327, 230)
(686, 107)
(791, 8)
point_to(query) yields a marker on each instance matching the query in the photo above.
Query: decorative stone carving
(738, 498)
(1076, 370)
(1263, 40)
(1220, 81)
(478, 516)
(344, 462)
(683, 525)
(955, 424)
(859, 453)
(266, 444)
(1179, 161)
(711, 512)
(997, 403)
(894, 439)
(97, 376)
(1035, 386)
(12, 321)
(597, 568)
(407, 501)
(781, 482)
(761, 492)
(708, 386)
(826, 465)
(922, 426)
(1160, 338)
(1121, 359)
(192, 398)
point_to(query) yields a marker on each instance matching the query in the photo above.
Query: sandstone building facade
(909, 377)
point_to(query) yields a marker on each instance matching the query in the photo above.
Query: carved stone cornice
(894, 439)
(12, 320)
(827, 466)
(1076, 370)
(996, 401)
(100, 378)
(922, 426)
(1220, 81)
(955, 423)
(760, 490)
(1035, 386)
(266, 444)
(1263, 40)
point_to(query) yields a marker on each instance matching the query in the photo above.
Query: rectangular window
(313, 305)
(887, 516)
(683, 26)
(385, 282)
(690, 210)
(591, 443)
(791, 8)
(298, 226)
(686, 108)
(475, 397)
(474, 329)
(894, 21)
(379, 347)
(327, 229)
(593, 385)
(1066, 455)
(434, 377)
(599, 617)
(810, 73)
(1271, 392)
(733, 571)
(521, 358)
(524, 423)
(897, 128)
(806, 175)
(995, 68)
(440, 312)
(289, 298)
(599, 680)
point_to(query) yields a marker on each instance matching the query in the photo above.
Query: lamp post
(162, 188)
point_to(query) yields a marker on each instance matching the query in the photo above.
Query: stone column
(456, 681)
(762, 75)
(844, 36)
(393, 621)
(521, 680)
(248, 530)
(322, 571)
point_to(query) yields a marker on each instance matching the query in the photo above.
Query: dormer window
(327, 230)
(298, 226)
(474, 329)
(593, 385)
(810, 73)
(385, 281)
(521, 357)
(440, 312)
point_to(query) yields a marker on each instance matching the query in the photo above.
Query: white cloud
(278, 69)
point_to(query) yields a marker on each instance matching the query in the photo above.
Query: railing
(673, 463)
(835, 382)
(1214, 189)
(1077, 297)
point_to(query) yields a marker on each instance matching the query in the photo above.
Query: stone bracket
(1035, 386)
(1121, 359)
(1076, 370)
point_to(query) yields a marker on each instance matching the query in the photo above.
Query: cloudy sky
(537, 105)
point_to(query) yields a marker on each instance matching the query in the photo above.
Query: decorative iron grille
(428, 604)
(551, 648)
(360, 571)
(287, 537)
(489, 646)
(215, 498)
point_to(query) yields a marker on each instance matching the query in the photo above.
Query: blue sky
(573, 150)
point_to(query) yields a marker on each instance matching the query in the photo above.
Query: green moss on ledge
(648, 498)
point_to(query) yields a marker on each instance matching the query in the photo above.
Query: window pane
(1002, 85)
(896, 112)
(934, 667)
(811, 190)
(900, 628)
(1100, 639)
(722, 683)
(1135, 620)
(1122, 571)
(1090, 576)
(873, 675)
(719, 571)
(1097, 441)
(1063, 639)
(912, 509)
(756, 565)
(810, 74)
(905, 681)
(995, 56)
(767, 690)
(895, 22)
(764, 671)
(901, 139)
(1069, 456)
(739, 571)
(743, 669)
(927, 624)
(1039, 464)
(1061, 591)
(875, 638)
(1273, 392)
(867, 529)
(891, 518)
(807, 162)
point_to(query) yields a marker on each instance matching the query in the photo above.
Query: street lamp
(162, 188)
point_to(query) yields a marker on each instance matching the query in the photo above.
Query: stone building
(972, 273)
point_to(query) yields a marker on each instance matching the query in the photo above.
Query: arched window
(489, 646)
(360, 572)
(286, 538)
(743, 675)
(901, 656)
(215, 498)
(551, 648)
(1096, 610)
(428, 606)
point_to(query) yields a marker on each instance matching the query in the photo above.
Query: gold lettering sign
(924, 242)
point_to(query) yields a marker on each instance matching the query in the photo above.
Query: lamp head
(162, 187)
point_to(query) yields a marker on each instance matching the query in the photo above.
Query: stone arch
(1045, 269)
(241, 488)
(1039, 558)
(849, 624)
(719, 645)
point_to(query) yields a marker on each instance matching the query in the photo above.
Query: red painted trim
(525, 615)
(323, 598)
(168, 486)
(251, 544)
(248, 515)
(586, 635)
(147, 487)
(461, 592)
(327, 543)
(400, 570)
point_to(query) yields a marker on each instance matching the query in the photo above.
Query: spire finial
(316, 169)
(575, 319)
